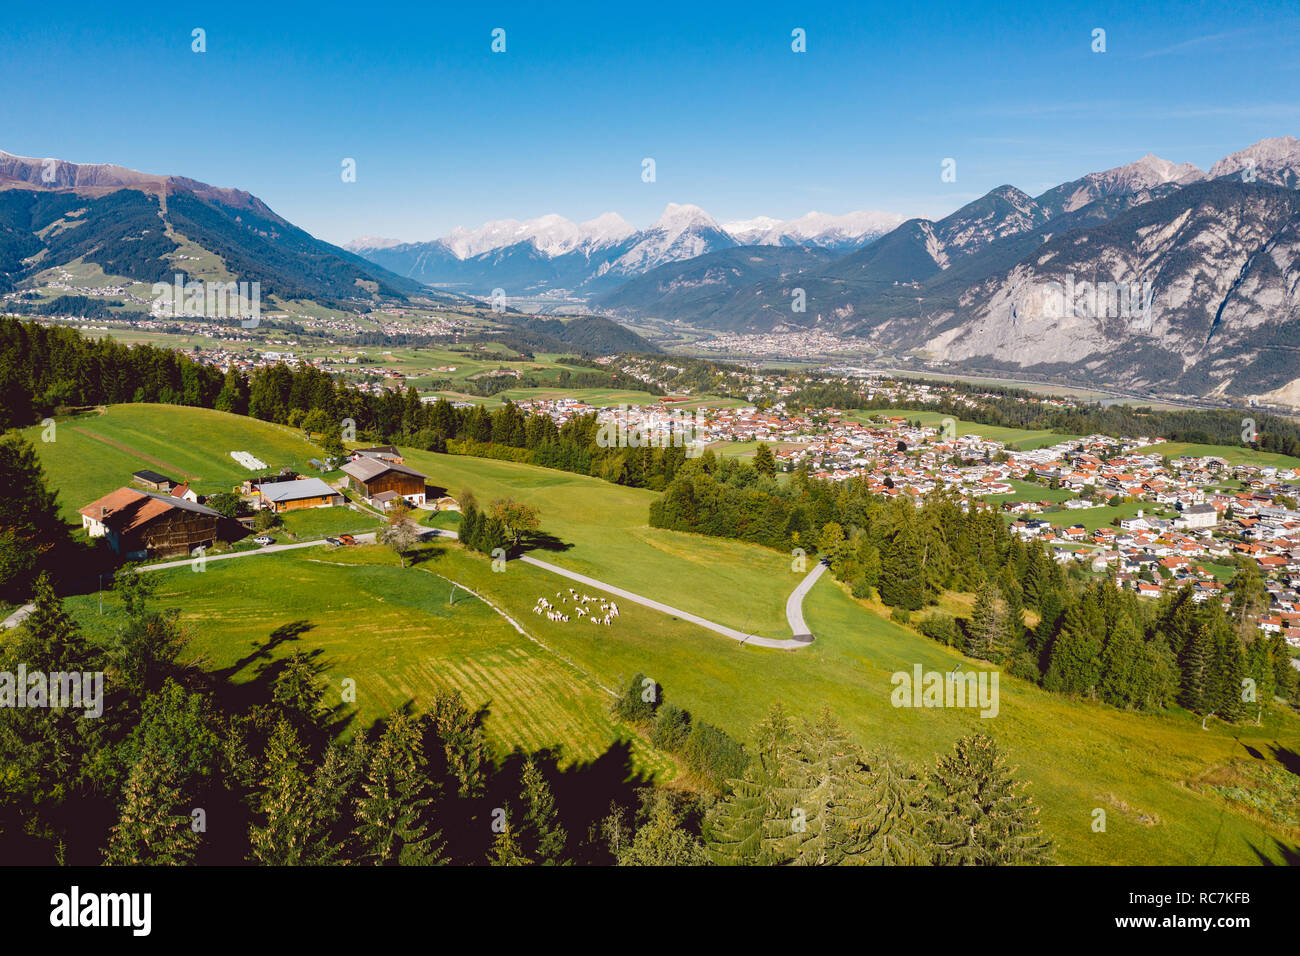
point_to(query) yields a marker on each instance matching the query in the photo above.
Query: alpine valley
(1216, 255)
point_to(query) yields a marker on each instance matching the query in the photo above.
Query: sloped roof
(127, 510)
(294, 490)
(367, 469)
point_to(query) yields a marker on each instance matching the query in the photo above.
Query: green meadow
(1159, 779)
(1018, 438)
(1233, 454)
(399, 634)
(95, 453)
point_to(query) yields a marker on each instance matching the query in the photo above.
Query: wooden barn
(140, 524)
(281, 496)
(372, 477)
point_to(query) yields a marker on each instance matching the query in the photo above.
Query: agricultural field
(95, 453)
(399, 633)
(307, 523)
(1031, 491)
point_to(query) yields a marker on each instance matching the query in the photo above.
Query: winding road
(793, 606)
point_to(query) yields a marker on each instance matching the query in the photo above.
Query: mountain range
(1210, 256)
(146, 228)
(553, 255)
(1153, 276)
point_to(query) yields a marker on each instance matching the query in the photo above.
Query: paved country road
(801, 638)
(731, 632)
(367, 538)
(793, 607)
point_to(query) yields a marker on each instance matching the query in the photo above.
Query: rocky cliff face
(1195, 293)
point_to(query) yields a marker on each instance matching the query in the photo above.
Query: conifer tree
(541, 836)
(1075, 656)
(1196, 689)
(505, 849)
(1230, 674)
(394, 807)
(662, 840)
(891, 829)
(283, 810)
(1122, 665)
(737, 825)
(980, 817)
(821, 796)
(985, 635)
(901, 581)
(150, 831)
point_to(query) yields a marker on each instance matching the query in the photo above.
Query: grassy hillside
(1020, 439)
(95, 453)
(1148, 772)
(391, 629)
(396, 634)
(1234, 454)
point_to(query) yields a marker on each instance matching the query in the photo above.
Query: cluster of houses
(161, 517)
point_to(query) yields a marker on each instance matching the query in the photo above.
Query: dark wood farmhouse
(140, 524)
(372, 477)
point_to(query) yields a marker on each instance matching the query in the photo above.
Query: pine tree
(283, 809)
(764, 463)
(979, 816)
(1230, 674)
(1075, 655)
(662, 840)
(737, 824)
(901, 581)
(149, 831)
(1122, 665)
(1196, 688)
(891, 827)
(821, 796)
(985, 634)
(393, 809)
(470, 519)
(505, 849)
(541, 836)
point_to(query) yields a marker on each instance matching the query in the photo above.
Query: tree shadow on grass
(426, 555)
(584, 793)
(542, 541)
(1286, 757)
(263, 650)
(1290, 854)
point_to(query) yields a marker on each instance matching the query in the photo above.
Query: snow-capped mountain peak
(750, 232)
(682, 232)
(606, 229)
(371, 242)
(679, 217)
(1151, 170)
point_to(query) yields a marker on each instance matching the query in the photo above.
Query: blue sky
(444, 132)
